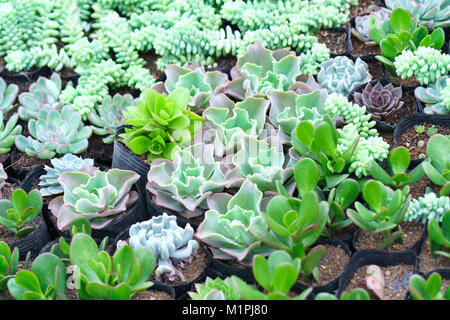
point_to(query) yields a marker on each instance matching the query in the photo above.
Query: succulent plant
(214, 289)
(109, 115)
(184, 184)
(49, 181)
(225, 227)
(55, 132)
(43, 93)
(9, 132)
(9, 263)
(436, 96)
(439, 234)
(3, 177)
(169, 242)
(260, 70)
(427, 207)
(8, 95)
(341, 75)
(379, 100)
(375, 281)
(361, 29)
(98, 196)
(429, 289)
(437, 165)
(202, 85)
(431, 13)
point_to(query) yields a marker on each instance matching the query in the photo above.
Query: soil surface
(334, 40)
(96, 148)
(427, 263)
(412, 232)
(408, 82)
(226, 62)
(417, 190)
(4, 157)
(344, 233)
(151, 295)
(150, 63)
(330, 267)
(410, 138)
(396, 281)
(362, 49)
(8, 189)
(375, 70)
(387, 137)
(408, 108)
(362, 7)
(22, 162)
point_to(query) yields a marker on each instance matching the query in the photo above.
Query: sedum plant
(437, 166)
(20, 210)
(440, 236)
(397, 164)
(8, 94)
(429, 289)
(98, 196)
(427, 207)
(342, 75)
(9, 132)
(386, 209)
(380, 101)
(170, 243)
(98, 277)
(214, 289)
(184, 184)
(361, 29)
(49, 181)
(436, 97)
(109, 115)
(44, 93)
(225, 228)
(55, 132)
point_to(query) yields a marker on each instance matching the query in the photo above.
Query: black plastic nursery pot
(161, 286)
(226, 70)
(332, 285)
(347, 32)
(26, 76)
(21, 172)
(379, 258)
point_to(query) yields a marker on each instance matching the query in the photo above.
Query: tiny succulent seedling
(419, 128)
(440, 236)
(397, 175)
(431, 131)
(437, 166)
(429, 289)
(21, 209)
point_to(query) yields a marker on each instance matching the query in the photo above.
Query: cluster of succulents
(436, 96)
(427, 207)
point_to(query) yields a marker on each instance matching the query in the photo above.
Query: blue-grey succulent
(427, 207)
(436, 97)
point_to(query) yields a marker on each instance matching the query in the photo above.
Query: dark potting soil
(23, 162)
(410, 138)
(412, 232)
(334, 40)
(408, 108)
(8, 189)
(362, 7)
(3, 157)
(343, 233)
(95, 148)
(417, 190)
(109, 150)
(396, 281)
(362, 49)
(9, 238)
(226, 62)
(67, 72)
(408, 82)
(387, 137)
(331, 265)
(151, 295)
(120, 90)
(375, 70)
(427, 263)
(150, 62)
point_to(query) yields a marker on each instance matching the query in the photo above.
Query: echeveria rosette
(225, 227)
(109, 115)
(380, 101)
(8, 94)
(436, 97)
(260, 70)
(55, 132)
(184, 184)
(98, 196)
(260, 161)
(202, 85)
(342, 75)
(361, 29)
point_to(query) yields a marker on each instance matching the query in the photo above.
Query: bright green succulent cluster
(427, 207)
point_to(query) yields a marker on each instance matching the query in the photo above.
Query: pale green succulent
(166, 239)
(214, 289)
(225, 227)
(431, 13)
(55, 132)
(44, 93)
(99, 196)
(436, 97)
(184, 184)
(49, 181)
(427, 207)
(8, 95)
(109, 115)
(9, 132)
(361, 30)
(342, 75)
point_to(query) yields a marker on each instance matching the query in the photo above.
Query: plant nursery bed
(427, 263)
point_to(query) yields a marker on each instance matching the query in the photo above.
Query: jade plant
(8, 94)
(184, 184)
(436, 97)
(397, 165)
(440, 236)
(214, 289)
(9, 132)
(342, 75)
(294, 225)
(429, 289)
(46, 280)
(202, 85)
(49, 181)
(8, 264)
(160, 124)
(400, 33)
(101, 197)
(427, 207)
(98, 277)
(380, 101)
(16, 213)
(55, 132)
(171, 244)
(355, 294)
(386, 209)
(437, 166)
(225, 228)
(276, 275)
(109, 115)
